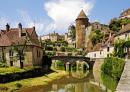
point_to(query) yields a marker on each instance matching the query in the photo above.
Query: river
(78, 81)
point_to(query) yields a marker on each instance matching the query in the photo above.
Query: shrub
(69, 54)
(59, 63)
(62, 49)
(49, 48)
(59, 45)
(113, 67)
(2, 65)
(55, 49)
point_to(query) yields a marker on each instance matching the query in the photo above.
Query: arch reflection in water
(79, 81)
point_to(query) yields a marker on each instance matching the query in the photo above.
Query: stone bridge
(71, 59)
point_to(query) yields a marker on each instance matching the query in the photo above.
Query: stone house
(96, 52)
(124, 33)
(104, 49)
(33, 52)
(50, 37)
(125, 14)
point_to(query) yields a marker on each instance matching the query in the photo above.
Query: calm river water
(78, 81)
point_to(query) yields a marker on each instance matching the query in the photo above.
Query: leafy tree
(96, 36)
(20, 47)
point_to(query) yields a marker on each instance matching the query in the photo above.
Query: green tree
(20, 47)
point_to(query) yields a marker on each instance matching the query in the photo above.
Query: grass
(10, 70)
(52, 75)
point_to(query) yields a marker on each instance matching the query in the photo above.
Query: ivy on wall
(119, 47)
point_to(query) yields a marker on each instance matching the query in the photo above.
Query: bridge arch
(71, 59)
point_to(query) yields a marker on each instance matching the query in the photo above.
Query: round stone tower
(81, 24)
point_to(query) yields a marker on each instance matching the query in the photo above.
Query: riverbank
(42, 80)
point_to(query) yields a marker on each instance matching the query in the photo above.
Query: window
(37, 53)
(107, 55)
(107, 49)
(126, 37)
(11, 63)
(118, 40)
(10, 53)
(97, 27)
(95, 55)
(125, 49)
(100, 52)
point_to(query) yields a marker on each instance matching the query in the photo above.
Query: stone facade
(33, 51)
(125, 14)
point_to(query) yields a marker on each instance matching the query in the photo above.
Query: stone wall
(97, 65)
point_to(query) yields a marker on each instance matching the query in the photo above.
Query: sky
(57, 15)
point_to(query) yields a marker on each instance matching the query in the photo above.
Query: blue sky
(57, 15)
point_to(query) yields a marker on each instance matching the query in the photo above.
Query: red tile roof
(125, 29)
(97, 47)
(13, 36)
(114, 18)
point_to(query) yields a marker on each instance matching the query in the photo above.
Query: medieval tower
(81, 24)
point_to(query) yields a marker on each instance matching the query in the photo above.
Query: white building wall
(95, 54)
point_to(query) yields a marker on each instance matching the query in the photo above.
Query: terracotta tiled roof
(3, 32)
(97, 47)
(13, 36)
(82, 15)
(125, 29)
(61, 36)
(114, 18)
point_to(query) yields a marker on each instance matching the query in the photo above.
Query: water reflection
(79, 81)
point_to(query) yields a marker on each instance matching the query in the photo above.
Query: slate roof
(82, 15)
(13, 36)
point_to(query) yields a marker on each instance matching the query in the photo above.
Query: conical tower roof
(82, 15)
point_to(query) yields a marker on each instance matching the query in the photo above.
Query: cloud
(4, 21)
(28, 22)
(64, 12)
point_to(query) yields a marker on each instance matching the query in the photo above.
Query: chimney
(54, 32)
(20, 29)
(33, 28)
(122, 10)
(123, 26)
(7, 27)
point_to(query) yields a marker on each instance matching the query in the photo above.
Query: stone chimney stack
(20, 29)
(7, 27)
(123, 26)
(122, 10)
(33, 28)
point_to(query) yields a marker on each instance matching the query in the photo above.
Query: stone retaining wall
(97, 65)
(8, 77)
